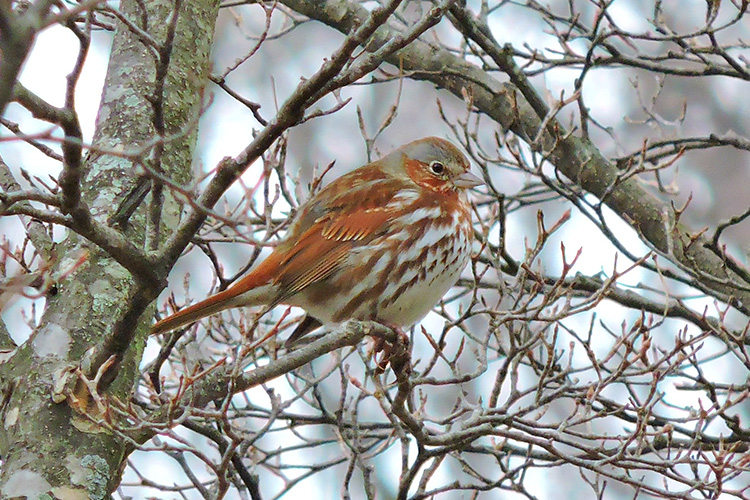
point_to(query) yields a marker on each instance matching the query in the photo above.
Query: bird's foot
(395, 350)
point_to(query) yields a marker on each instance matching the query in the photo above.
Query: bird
(382, 243)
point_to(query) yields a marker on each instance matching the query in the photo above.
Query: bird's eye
(437, 168)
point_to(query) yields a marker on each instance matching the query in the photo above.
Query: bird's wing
(324, 246)
(347, 214)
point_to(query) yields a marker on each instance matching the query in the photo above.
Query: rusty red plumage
(384, 242)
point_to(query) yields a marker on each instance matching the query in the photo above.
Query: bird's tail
(234, 296)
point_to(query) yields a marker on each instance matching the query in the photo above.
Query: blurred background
(631, 105)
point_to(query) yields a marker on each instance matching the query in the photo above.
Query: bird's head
(435, 164)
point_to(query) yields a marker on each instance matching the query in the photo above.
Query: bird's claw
(395, 351)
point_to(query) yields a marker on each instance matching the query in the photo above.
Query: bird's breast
(398, 276)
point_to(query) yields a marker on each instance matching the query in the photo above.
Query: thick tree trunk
(46, 447)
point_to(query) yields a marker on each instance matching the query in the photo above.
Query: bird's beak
(467, 180)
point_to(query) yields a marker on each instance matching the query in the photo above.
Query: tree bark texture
(48, 449)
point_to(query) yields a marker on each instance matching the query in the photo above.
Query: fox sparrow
(384, 243)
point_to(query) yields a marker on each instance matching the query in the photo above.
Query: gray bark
(49, 449)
